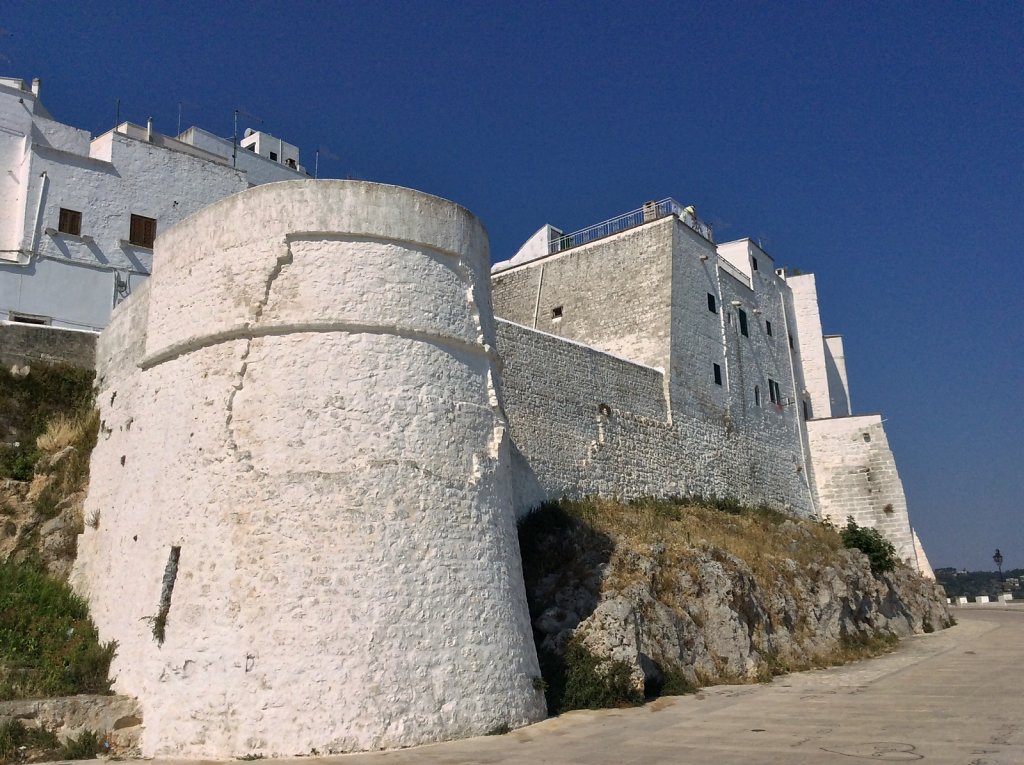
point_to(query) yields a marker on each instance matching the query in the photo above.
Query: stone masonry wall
(305, 537)
(613, 295)
(585, 422)
(30, 344)
(856, 476)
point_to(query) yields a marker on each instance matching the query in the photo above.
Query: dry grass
(63, 431)
(761, 538)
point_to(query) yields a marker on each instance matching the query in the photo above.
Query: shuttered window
(70, 222)
(143, 231)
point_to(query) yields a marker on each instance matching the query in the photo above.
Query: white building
(78, 214)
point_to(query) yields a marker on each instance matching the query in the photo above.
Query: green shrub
(85, 747)
(28, 404)
(580, 680)
(880, 552)
(14, 735)
(48, 643)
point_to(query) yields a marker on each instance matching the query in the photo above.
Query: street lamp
(998, 558)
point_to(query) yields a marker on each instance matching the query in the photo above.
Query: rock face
(673, 602)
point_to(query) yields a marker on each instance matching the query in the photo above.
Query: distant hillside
(974, 583)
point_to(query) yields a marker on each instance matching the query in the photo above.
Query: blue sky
(875, 144)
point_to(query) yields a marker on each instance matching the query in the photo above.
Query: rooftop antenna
(234, 134)
(328, 154)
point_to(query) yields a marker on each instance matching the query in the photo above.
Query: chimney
(35, 87)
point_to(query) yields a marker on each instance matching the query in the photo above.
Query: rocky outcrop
(673, 591)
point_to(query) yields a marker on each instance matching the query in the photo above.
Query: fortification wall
(614, 294)
(585, 422)
(31, 344)
(304, 533)
(856, 476)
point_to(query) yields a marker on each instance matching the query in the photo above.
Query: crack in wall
(500, 428)
(282, 260)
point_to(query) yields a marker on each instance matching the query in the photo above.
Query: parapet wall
(32, 344)
(300, 522)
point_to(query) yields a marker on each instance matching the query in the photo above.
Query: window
(768, 327)
(273, 155)
(757, 395)
(556, 313)
(753, 261)
(290, 162)
(743, 323)
(143, 231)
(718, 375)
(70, 222)
(774, 393)
(712, 305)
(26, 318)
(807, 411)
(791, 341)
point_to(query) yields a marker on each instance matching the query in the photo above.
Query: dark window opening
(23, 318)
(807, 411)
(70, 222)
(712, 303)
(754, 262)
(773, 392)
(142, 231)
(757, 395)
(791, 341)
(768, 327)
(290, 162)
(718, 375)
(273, 155)
(743, 323)
(556, 312)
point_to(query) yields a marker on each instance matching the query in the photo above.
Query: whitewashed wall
(315, 425)
(642, 295)
(856, 477)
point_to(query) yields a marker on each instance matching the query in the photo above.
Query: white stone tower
(299, 528)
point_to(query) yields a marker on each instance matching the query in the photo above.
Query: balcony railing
(650, 211)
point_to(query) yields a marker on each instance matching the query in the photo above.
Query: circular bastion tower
(299, 529)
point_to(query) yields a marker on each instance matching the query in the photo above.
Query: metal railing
(650, 211)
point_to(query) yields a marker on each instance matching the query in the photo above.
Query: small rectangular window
(791, 341)
(556, 313)
(768, 327)
(743, 323)
(753, 261)
(712, 304)
(70, 222)
(718, 375)
(771, 391)
(142, 231)
(273, 155)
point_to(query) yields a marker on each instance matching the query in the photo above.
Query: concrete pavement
(950, 697)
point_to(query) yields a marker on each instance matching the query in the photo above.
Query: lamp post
(998, 558)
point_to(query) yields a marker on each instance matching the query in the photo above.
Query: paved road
(951, 697)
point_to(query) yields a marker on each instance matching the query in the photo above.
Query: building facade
(642, 358)
(79, 215)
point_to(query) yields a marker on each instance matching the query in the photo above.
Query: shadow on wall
(564, 559)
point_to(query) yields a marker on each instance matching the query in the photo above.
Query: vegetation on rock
(880, 551)
(19, 743)
(48, 428)
(659, 597)
(48, 644)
